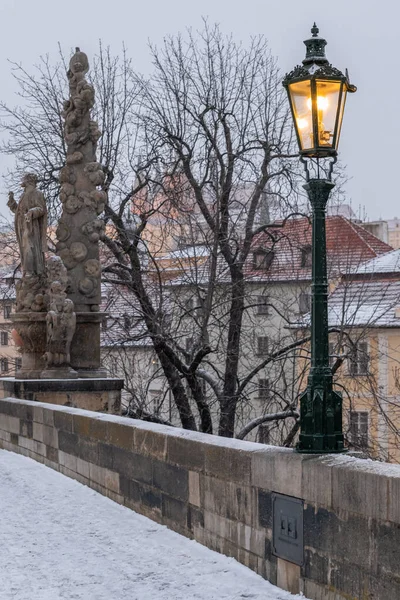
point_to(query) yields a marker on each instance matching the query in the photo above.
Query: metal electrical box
(287, 528)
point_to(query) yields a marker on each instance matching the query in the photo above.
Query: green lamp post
(317, 95)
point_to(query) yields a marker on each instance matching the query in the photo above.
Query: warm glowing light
(322, 103)
(302, 123)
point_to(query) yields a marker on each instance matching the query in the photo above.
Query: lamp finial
(314, 30)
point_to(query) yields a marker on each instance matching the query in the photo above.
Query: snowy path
(61, 540)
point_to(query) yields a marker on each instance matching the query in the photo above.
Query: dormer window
(306, 256)
(262, 259)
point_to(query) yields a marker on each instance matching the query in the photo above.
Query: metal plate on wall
(287, 528)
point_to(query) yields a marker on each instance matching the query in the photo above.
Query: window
(358, 432)
(262, 345)
(18, 364)
(332, 358)
(155, 364)
(188, 304)
(4, 365)
(4, 338)
(304, 302)
(263, 434)
(7, 311)
(263, 389)
(306, 256)
(127, 322)
(189, 344)
(262, 259)
(359, 360)
(263, 305)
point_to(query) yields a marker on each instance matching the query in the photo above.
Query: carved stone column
(79, 229)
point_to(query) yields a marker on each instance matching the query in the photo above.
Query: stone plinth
(99, 395)
(85, 346)
(31, 329)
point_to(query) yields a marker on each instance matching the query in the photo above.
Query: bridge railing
(342, 538)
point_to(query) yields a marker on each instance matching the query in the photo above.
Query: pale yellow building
(365, 308)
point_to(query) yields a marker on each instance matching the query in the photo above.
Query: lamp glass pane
(340, 119)
(300, 94)
(328, 94)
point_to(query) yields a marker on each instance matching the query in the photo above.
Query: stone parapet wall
(220, 492)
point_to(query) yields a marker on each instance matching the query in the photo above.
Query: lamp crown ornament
(315, 48)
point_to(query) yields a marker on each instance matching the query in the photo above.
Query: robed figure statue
(30, 226)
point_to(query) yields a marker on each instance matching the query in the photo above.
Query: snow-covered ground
(61, 540)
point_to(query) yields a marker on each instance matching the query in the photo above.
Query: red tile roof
(348, 245)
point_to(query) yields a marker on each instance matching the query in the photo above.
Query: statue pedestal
(31, 329)
(100, 395)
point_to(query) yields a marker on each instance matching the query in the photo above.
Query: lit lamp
(317, 95)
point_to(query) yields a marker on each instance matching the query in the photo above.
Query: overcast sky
(362, 36)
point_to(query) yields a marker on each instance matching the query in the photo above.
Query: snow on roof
(386, 263)
(370, 303)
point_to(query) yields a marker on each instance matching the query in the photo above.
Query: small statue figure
(61, 324)
(60, 321)
(30, 226)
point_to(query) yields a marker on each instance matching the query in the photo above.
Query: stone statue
(30, 226)
(61, 324)
(60, 321)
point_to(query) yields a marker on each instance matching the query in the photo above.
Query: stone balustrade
(221, 493)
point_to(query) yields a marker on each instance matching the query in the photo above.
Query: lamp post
(317, 95)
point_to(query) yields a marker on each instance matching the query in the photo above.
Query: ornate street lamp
(317, 95)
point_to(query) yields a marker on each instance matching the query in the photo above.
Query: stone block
(14, 438)
(6, 436)
(132, 466)
(393, 511)
(26, 428)
(39, 448)
(97, 474)
(98, 429)
(68, 442)
(140, 494)
(228, 463)
(186, 453)
(9, 423)
(68, 461)
(388, 549)
(326, 533)
(63, 421)
(277, 471)
(288, 576)
(120, 435)
(48, 417)
(38, 414)
(171, 480)
(115, 497)
(27, 443)
(37, 433)
(317, 480)
(265, 509)
(51, 464)
(316, 566)
(50, 436)
(195, 518)
(105, 455)
(107, 479)
(81, 425)
(359, 491)
(150, 443)
(83, 468)
(52, 454)
(228, 499)
(174, 510)
(194, 488)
